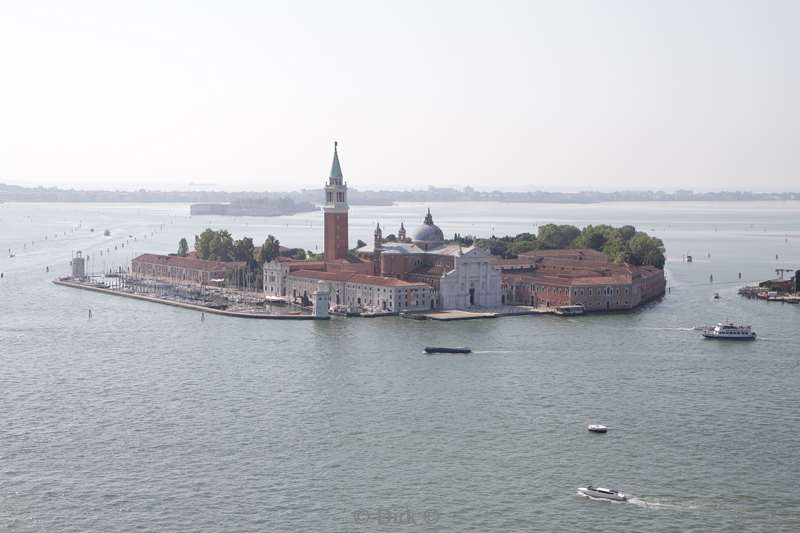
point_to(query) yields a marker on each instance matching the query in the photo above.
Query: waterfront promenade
(194, 307)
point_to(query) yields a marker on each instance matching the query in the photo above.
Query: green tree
(552, 236)
(594, 237)
(297, 253)
(646, 250)
(360, 244)
(244, 250)
(616, 248)
(627, 232)
(183, 247)
(269, 250)
(311, 256)
(495, 246)
(214, 245)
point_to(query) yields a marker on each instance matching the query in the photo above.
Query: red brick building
(183, 269)
(552, 278)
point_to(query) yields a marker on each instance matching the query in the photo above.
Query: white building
(473, 282)
(348, 289)
(462, 277)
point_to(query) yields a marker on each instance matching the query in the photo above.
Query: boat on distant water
(729, 331)
(440, 349)
(603, 493)
(716, 296)
(597, 428)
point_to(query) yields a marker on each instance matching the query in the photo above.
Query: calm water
(144, 417)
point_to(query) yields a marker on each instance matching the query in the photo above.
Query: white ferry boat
(729, 331)
(603, 493)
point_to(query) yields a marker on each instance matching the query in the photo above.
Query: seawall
(224, 312)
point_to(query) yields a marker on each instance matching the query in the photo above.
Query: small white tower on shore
(78, 266)
(322, 298)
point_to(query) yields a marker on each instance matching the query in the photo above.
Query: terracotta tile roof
(564, 281)
(577, 254)
(617, 279)
(189, 262)
(322, 275)
(356, 278)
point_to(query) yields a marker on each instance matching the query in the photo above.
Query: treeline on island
(219, 245)
(621, 245)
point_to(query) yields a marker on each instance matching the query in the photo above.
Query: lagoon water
(142, 417)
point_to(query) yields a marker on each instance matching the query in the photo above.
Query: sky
(528, 95)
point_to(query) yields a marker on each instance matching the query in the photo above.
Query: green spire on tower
(336, 169)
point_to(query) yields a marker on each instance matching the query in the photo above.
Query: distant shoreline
(300, 200)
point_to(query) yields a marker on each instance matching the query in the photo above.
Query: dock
(193, 307)
(451, 315)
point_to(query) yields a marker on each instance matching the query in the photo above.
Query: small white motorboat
(597, 428)
(603, 493)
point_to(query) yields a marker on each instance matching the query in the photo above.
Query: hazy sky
(517, 95)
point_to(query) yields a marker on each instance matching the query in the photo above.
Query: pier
(95, 287)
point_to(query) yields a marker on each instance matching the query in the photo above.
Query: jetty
(780, 289)
(216, 309)
(452, 315)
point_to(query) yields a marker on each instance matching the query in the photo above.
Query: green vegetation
(183, 247)
(220, 246)
(269, 250)
(622, 245)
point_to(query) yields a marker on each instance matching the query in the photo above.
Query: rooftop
(356, 278)
(407, 248)
(575, 254)
(189, 262)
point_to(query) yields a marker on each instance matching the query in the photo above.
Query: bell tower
(335, 209)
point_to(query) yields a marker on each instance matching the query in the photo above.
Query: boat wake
(671, 329)
(651, 505)
(639, 502)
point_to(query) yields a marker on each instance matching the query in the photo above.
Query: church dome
(428, 232)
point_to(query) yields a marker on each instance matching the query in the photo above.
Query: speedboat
(439, 349)
(729, 331)
(603, 493)
(597, 428)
